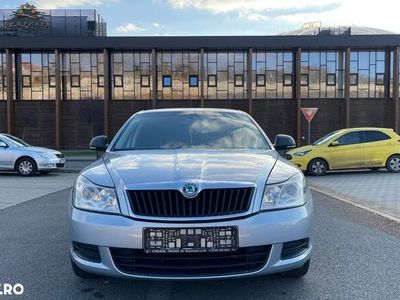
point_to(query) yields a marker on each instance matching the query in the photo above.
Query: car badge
(190, 190)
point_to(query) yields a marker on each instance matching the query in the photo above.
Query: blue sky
(229, 17)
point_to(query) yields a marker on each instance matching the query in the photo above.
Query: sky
(229, 17)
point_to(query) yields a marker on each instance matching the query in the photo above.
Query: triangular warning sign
(309, 112)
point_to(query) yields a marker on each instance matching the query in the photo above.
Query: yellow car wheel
(317, 167)
(393, 164)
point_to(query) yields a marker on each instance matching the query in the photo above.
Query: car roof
(366, 128)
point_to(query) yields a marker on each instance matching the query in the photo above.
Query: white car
(26, 160)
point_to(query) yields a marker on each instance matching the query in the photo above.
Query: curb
(353, 202)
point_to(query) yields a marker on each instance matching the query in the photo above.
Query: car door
(346, 151)
(375, 145)
(6, 157)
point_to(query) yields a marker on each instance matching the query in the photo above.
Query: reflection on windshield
(195, 130)
(326, 138)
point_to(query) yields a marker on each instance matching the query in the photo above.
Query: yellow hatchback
(353, 148)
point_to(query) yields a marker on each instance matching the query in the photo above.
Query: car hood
(160, 167)
(39, 149)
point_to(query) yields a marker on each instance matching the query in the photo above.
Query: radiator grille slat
(172, 203)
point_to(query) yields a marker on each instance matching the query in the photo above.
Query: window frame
(23, 77)
(190, 80)
(115, 81)
(376, 78)
(356, 76)
(72, 81)
(307, 80)
(141, 81)
(360, 138)
(4, 81)
(364, 132)
(235, 80)
(208, 80)
(263, 79)
(51, 82)
(99, 84)
(163, 81)
(334, 79)
(287, 75)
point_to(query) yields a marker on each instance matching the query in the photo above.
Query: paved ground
(356, 257)
(15, 189)
(378, 190)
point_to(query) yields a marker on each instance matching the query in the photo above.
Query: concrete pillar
(250, 79)
(107, 91)
(10, 92)
(154, 78)
(57, 57)
(347, 87)
(297, 93)
(202, 77)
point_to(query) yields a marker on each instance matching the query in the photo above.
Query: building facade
(60, 92)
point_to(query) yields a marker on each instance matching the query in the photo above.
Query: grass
(79, 153)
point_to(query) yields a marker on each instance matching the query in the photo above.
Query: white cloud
(71, 3)
(253, 16)
(129, 28)
(156, 25)
(224, 6)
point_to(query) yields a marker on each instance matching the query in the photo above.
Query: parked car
(17, 155)
(353, 148)
(190, 194)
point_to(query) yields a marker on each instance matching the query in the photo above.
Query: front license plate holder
(190, 240)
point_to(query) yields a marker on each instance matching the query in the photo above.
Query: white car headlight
(46, 155)
(89, 196)
(290, 193)
(301, 153)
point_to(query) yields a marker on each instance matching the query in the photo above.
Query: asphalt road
(357, 257)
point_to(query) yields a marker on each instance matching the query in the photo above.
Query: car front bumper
(266, 228)
(48, 164)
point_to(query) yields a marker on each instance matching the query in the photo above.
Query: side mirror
(334, 143)
(3, 145)
(99, 143)
(284, 142)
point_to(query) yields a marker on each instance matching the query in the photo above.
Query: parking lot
(353, 259)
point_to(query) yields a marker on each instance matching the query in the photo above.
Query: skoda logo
(190, 190)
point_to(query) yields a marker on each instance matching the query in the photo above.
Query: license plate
(190, 240)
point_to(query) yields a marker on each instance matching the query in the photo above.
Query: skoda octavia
(191, 194)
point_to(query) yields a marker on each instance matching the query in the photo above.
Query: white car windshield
(17, 142)
(190, 130)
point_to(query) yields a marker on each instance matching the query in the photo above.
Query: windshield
(17, 142)
(326, 138)
(190, 130)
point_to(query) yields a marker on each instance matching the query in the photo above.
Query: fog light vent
(87, 252)
(294, 248)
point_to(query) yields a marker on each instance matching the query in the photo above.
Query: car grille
(172, 203)
(60, 165)
(136, 262)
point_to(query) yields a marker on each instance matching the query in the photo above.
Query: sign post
(309, 113)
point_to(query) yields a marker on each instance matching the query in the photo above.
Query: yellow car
(353, 148)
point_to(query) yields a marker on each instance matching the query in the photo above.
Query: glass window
(52, 80)
(193, 81)
(26, 81)
(353, 79)
(238, 80)
(145, 80)
(349, 138)
(212, 80)
(118, 81)
(304, 80)
(260, 79)
(287, 79)
(375, 136)
(100, 80)
(75, 81)
(380, 79)
(331, 79)
(167, 81)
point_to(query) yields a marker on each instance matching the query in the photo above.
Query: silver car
(26, 160)
(191, 194)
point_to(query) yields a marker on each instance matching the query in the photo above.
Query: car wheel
(393, 164)
(26, 167)
(299, 272)
(317, 167)
(81, 273)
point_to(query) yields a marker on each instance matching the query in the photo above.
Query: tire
(317, 167)
(26, 167)
(299, 272)
(393, 164)
(81, 273)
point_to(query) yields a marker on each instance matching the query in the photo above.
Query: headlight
(301, 153)
(46, 155)
(89, 196)
(290, 193)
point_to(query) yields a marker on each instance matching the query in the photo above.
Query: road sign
(309, 112)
